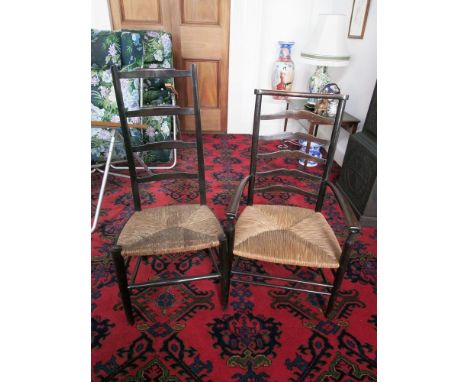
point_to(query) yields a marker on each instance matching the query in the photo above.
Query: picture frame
(358, 19)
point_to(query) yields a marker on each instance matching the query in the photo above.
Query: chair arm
(231, 212)
(351, 220)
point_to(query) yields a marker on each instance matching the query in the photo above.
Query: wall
(256, 26)
(100, 18)
(358, 78)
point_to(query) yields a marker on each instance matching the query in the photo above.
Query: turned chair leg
(225, 271)
(120, 270)
(336, 285)
(339, 276)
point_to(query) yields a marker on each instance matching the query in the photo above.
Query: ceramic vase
(317, 82)
(314, 150)
(283, 69)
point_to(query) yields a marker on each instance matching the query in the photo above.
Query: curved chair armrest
(351, 220)
(231, 212)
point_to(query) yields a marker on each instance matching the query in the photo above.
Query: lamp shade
(327, 46)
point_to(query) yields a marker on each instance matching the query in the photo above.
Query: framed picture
(357, 22)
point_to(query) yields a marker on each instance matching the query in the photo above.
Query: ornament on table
(314, 150)
(332, 106)
(321, 106)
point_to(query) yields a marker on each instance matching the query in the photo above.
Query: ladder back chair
(167, 229)
(285, 234)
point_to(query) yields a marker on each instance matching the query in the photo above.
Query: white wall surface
(358, 78)
(244, 63)
(100, 18)
(256, 28)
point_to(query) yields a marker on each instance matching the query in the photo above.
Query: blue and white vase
(314, 150)
(317, 82)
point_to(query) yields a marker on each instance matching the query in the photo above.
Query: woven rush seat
(286, 235)
(170, 229)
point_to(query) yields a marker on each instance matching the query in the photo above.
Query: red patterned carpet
(181, 333)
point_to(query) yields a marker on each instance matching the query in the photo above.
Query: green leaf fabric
(136, 49)
(105, 49)
(132, 50)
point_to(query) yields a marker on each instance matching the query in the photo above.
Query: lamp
(327, 47)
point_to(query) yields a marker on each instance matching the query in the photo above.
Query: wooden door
(200, 32)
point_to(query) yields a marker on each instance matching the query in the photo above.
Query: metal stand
(109, 164)
(104, 180)
(106, 172)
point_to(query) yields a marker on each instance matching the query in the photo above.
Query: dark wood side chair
(286, 234)
(167, 229)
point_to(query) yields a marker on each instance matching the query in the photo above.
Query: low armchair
(284, 234)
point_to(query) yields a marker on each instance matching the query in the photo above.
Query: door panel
(200, 12)
(211, 118)
(136, 14)
(141, 11)
(200, 32)
(207, 79)
(199, 41)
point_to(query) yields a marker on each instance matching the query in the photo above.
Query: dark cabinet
(358, 177)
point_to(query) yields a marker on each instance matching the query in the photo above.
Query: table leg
(312, 128)
(286, 120)
(284, 146)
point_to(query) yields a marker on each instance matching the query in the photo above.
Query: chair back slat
(282, 93)
(160, 110)
(293, 135)
(168, 175)
(293, 172)
(299, 114)
(156, 73)
(116, 125)
(293, 189)
(294, 154)
(324, 164)
(164, 145)
(166, 110)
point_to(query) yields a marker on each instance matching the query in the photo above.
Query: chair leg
(336, 285)
(225, 272)
(339, 276)
(227, 266)
(120, 270)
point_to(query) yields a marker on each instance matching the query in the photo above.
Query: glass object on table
(332, 105)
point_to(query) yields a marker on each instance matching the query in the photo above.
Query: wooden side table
(349, 122)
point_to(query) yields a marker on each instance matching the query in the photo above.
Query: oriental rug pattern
(181, 332)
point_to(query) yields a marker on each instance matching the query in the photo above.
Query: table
(348, 122)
